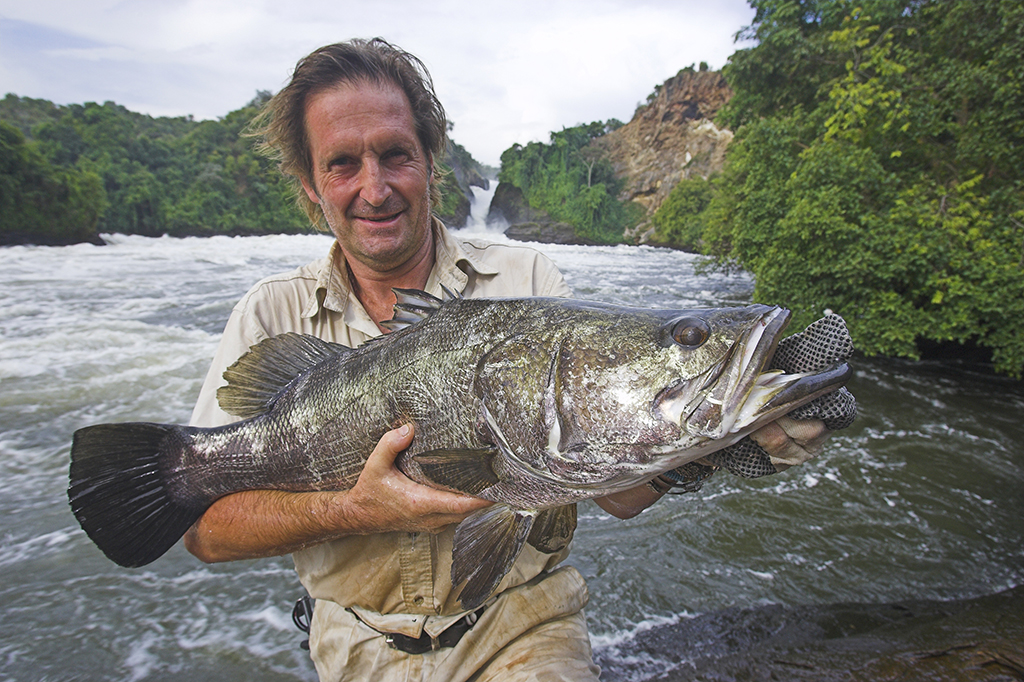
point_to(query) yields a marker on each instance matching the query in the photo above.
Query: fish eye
(691, 332)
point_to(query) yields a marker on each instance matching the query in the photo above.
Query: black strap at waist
(424, 643)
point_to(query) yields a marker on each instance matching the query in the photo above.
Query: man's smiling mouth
(379, 218)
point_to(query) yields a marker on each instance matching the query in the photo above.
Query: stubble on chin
(384, 251)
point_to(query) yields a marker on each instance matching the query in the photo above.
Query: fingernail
(403, 430)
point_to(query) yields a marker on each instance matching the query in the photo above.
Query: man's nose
(374, 188)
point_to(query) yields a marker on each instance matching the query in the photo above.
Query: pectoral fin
(553, 529)
(486, 545)
(467, 471)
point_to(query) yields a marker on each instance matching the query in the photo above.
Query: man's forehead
(362, 105)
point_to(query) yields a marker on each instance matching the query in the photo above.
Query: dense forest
(571, 181)
(68, 173)
(877, 170)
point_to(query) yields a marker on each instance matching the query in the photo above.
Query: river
(919, 499)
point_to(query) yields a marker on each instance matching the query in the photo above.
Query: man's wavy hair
(280, 126)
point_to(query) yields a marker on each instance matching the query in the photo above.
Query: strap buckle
(302, 616)
(447, 639)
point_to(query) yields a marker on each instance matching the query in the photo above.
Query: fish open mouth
(740, 394)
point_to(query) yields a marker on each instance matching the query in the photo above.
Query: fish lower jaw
(767, 386)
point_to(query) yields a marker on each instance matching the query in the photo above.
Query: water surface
(921, 498)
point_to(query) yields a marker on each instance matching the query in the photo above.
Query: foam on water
(619, 663)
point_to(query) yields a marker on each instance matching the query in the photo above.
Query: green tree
(678, 221)
(886, 185)
(113, 170)
(42, 203)
(571, 181)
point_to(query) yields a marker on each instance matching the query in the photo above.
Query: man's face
(371, 175)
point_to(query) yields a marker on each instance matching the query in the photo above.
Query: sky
(506, 72)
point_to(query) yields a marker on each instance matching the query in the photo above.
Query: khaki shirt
(405, 574)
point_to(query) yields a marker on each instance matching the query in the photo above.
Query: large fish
(532, 403)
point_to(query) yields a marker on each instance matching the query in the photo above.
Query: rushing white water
(920, 498)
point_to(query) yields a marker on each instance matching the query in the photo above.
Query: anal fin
(553, 529)
(486, 545)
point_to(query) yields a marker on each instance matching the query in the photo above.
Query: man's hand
(789, 441)
(384, 499)
(261, 523)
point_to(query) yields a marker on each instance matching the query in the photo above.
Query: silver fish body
(531, 403)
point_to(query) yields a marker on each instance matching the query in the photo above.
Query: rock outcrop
(466, 173)
(527, 224)
(969, 640)
(671, 138)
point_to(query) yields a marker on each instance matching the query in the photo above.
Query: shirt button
(418, 599)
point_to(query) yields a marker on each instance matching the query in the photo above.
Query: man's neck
(374, 288)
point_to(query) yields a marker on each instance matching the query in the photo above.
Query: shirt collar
(332, 285)
(333, 289)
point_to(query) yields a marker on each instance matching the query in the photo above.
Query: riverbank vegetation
(878, 170)
(70, 172)
(571, 181)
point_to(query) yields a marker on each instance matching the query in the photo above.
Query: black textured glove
(824, 343)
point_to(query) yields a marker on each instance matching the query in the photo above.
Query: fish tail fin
(119, 493)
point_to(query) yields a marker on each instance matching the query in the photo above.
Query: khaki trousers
(535, 632)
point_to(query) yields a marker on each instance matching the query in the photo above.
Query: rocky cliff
(525, 223)
(670, 138)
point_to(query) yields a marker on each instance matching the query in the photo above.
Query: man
(361, 130)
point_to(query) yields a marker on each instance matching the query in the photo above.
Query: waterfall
(476, 224)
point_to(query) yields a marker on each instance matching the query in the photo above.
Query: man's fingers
(388, 448)
(396, 502)
(791, 441)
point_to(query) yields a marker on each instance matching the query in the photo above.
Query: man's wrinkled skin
(791, 441)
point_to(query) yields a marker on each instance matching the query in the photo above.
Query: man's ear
(310, 190)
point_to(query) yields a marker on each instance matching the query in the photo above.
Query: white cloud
(506, 71)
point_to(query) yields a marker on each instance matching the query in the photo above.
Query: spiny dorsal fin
(258, 376)
(413, 305)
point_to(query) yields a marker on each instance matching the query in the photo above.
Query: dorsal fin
(258, 376)
(413, 305)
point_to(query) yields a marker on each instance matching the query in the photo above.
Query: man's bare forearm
(261, 523)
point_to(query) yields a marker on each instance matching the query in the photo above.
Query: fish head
(680, 383)
(735, 392)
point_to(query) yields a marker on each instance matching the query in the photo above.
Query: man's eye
(396, 156)
(342, 162)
